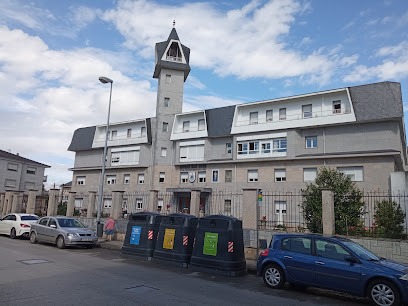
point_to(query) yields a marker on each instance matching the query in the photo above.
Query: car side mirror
(53, 226)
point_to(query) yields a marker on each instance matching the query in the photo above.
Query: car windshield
(28, 218)
(66, 222)
(361, 251)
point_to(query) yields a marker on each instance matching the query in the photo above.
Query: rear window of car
(297, 245)
(28, 218)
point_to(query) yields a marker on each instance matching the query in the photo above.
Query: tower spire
(174, 24)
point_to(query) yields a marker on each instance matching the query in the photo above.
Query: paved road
(44, 275)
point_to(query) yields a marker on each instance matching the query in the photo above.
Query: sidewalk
(116, 245)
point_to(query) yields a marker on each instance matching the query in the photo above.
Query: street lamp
(99, 226)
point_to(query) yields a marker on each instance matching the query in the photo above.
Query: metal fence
(224, 202)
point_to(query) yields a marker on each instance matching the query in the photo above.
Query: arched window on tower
(174, 54)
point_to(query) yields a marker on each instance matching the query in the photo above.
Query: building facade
(276, 144)
(20, 174)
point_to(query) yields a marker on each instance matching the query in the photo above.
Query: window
(139, 204)
(111, 179)
(168, 78)
(201, 124)
(12, 167)
(214, 176)
(227, 206)
(165, 127)
(162, 176)
(80, 180)
(280, 207)
(31, 170)
(253, 147)
(269, 115)
(280, 175)
(163, 152)
(78, 202)
(253, 118)
(279, 145)
(184, 177)
(114, 135)
(297, 245)
(129, 133)
(307, 111)
(252, 175)
(355, 173)
(10, 183)
(44, 221)
(202, 175)
(126, 179)
(107, 203)
(186, 126)
(266, 147)
(228, 148)
(143, 131)
(140, 178)
(228, 176)
(166, 102)
(160, 203)
(29, 185)
(311, 142)
(337, 107)
(309, 174)
(125, 158)
(330, 250)
(282, 114)
(191, 153)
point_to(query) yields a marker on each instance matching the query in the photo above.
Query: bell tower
(171, 69)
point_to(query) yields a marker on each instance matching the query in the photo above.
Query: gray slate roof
(161, 48)
(219, 121)
(377, 101)
(82, 139)
(20, 159)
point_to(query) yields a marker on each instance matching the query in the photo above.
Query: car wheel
(60, 242)
(383, 292)
(13, 233)
(33, 238)
(273, 276)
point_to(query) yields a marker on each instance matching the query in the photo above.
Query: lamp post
(99, 226)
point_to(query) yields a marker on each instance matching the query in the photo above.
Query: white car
(17, 225)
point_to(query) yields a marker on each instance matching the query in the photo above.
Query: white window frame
(162, 177)
(280, 175)
(252, 175)
(228, 148)
(311, 142)
(110, 179)
(309, 174)
(269, 115)
(10, 183)
(227, 206)
(31, 170)
(163, 152)
(356, 173)
(183, 177)
(79, 202)
(129, 133)
(201, 124)
(253, 118)
(337, 107)
(80, 180)
(282, 113)
(12, 167)
(107, 203)
(307, 111)
(186, 126)
(227, 178)
(139, 204)
(194, 152)
(140, 178)
(279, 145)
(215, 176)
(126, 179)
(202, 176)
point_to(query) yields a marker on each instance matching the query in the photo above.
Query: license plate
(86, 239)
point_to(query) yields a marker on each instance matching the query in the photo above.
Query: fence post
(2, 202)
(31, 201)
(328, 212)
(91, 204)
(195, 203)
(117, 200)
(249, 208)
(8, 200)
(51, 202)
(71, 204)
(16, 203)
(153, 197)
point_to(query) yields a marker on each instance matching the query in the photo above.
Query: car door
(3, 225)
(41, 228)
(298, 259)
(52, 230)
(7, 223)
(332, 269)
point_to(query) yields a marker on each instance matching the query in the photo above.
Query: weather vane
(174, 23)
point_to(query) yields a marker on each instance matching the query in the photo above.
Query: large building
(276, 144)
(18, 173)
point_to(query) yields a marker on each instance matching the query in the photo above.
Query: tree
(62, 208)
(348, 204)
(388, 219)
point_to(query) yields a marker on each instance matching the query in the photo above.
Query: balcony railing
(174, 58)
(124, 137)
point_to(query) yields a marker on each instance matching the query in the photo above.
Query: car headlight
(404, 277)
(72, 235)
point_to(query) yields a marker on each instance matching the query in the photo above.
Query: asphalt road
(41, 274)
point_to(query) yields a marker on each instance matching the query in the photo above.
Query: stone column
(91, 204)
(328, 212)
(32, 195)
(8, 202)
(71, 204)
(117, 200)
(195, 203)
(153, 198)
(52, 202)
(2, 203)
(17, 202)
(250, 208)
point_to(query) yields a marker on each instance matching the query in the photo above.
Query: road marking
(33, 261)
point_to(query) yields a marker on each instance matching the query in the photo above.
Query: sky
(53, 52)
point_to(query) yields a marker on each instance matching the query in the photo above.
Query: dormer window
(186, 126)
(173, 53)
(253, 118)
(337, 107)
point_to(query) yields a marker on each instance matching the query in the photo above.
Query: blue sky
(52, 53)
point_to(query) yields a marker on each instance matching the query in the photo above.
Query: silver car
(62, 231)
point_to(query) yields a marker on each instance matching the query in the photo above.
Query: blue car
(333, 263)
